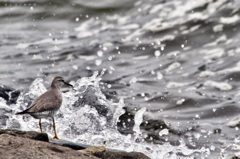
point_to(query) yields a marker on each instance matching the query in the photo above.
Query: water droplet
(109, 85)
(98, 62)
(75, 67)
(105, 48)
(110, 58)
(159, 75)
(157, 53)
(100, 53)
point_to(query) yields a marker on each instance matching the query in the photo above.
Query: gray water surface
(177, 58)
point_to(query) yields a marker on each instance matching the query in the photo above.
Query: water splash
(87, 117)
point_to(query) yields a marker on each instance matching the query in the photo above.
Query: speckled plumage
(48, 103)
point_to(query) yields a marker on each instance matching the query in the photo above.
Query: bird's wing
(46, 102)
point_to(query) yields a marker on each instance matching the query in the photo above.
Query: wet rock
(25, 134)
(75, 146)
(19, 147)
(94, 149)
(14, 124)
(3, 120)
(9, 94)
(93, 102)
(31, 144)
(121, 155)
(102, 152)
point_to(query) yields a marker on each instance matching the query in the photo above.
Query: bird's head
(58, 82)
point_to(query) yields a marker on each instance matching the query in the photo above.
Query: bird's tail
(23, 112)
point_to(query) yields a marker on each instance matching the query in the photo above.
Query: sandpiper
(48, 103)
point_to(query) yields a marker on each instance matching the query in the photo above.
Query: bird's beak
(68, 84)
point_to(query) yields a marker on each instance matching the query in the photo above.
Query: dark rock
(217, 131)
(235, 157)
(14, 124)
(3, 120)
(121, 155)
(9, 94)
(89, 98)
(75, 146)
(25, 134)
(94, 149)
(18, 147)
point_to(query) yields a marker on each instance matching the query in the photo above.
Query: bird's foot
(56, 137)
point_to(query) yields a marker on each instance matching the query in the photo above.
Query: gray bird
(48, 103)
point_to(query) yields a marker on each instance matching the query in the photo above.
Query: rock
(9, 94)
(94, 149)
(25, 134)
(3, 120)
(75, 146)
(19, 147)
(120, 155)
(102, 152)
(31, 144)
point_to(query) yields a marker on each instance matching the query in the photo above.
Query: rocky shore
(31, 144)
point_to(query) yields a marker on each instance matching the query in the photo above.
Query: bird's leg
(40, 124)
(55, 137)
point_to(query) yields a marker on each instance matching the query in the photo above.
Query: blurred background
(177, 58)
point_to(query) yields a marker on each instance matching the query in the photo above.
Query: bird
(47, 104)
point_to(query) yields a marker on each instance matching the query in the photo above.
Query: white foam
(229, 70)
(156, 8)
(138, 119)
(212, 53)
(234, 122)
(180, 102)
(143, 57)
(191, 89)
(168, 38)
(229, 20)
(173, 66)
(129, 26)
(218, 28)
(220, 85)
(222, 38)
(37, 57)
(173, 54)
(176, 84)
(84, 124)
(43, 41)
(206, 74)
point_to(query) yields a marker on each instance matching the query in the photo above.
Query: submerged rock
(9, 94)
(121, 155)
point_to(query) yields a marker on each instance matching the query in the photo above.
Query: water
(177, 59)
(85, 123)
